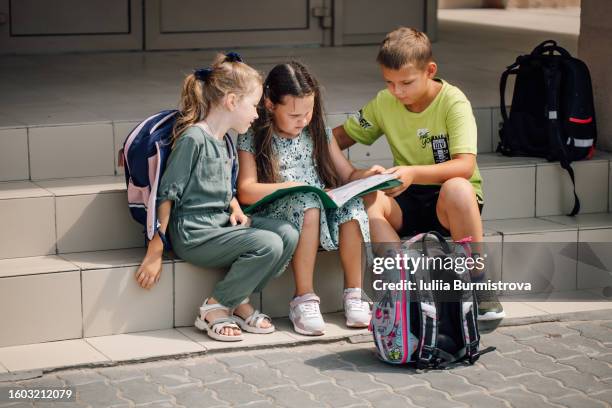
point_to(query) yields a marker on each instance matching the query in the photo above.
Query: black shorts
(418, 204)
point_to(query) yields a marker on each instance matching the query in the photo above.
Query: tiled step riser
(544, 189)
(96, 222)
(557, 256)
(90, 149)
(50, 152)
(90, 222)
(554, 190)
(28, 227)
(509, 192)
(544, 259)
(96, 302)
(113, 303)
(38, 308)
(49, 225)
(596, 258)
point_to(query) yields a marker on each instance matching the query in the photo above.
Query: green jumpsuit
(198, 179)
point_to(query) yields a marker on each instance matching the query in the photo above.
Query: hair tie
(233, 57)
(202, 73)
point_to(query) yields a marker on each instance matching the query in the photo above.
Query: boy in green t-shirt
(431, 130)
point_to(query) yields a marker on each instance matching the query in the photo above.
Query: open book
(337, 197)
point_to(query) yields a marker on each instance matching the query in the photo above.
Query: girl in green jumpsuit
(198, 208)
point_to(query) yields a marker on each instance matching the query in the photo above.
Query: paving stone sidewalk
(561, 364)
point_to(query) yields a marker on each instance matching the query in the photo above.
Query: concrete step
(66, 215)
(33, 360)
(90, 149)
(522, 187)
(95, 293)
(90, 213)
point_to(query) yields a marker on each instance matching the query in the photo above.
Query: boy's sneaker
(357, 312)
(305, 315)
(489, 307)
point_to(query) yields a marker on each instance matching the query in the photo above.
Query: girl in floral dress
(289, 145)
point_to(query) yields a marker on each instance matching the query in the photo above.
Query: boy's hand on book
(405, 174)
(239, 218)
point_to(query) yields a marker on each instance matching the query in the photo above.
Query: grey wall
(595, 48)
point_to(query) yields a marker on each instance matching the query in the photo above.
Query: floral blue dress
(296, 164)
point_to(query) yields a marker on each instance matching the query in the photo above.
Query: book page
(342, 194)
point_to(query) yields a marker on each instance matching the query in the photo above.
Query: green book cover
(334, 198)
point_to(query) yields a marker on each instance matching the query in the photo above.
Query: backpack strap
(552, 76)
(536, 50)
(510, 70)
(441, 240)
(472, 337)
(231, 151)
(550, 46)
(428, 352)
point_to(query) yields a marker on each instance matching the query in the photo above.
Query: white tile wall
(120, 133)
(554, 190)
(594, 258)
(28, 229)
(96, 222)
(335, 119)
(496, 119)
(71, 151)
(508, 192)
(14, 161)
(492, 247)
(114, 303)
(483, 122)
(610, 187)
(378, 150)
(44, 307)
(548, 260)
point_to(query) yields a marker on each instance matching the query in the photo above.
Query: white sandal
(252, 324)
(214, 329)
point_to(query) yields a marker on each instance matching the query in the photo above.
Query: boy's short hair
(404, 46)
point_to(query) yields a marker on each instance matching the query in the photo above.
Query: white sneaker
(357, 312)
(305, 315)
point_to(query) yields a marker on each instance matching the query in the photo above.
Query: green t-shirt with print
(445, 128)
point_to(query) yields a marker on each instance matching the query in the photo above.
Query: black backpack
(552, 113)
(431, 326)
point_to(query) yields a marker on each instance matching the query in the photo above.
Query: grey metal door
(185, 24)
(367, 22)
(35, 26)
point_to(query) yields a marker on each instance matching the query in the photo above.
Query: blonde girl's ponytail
(205, 88)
